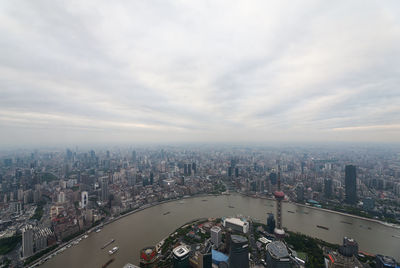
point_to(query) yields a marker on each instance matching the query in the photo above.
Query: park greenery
(7, 244)
(308, 245)
(38, 213)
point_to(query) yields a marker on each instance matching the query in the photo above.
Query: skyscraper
(185, 169)
(181, 257)
(270, 223)
(239, 252)
(27, 241)
(230, 171)
(300, 193)
(104, 189)
(351, 184)
(216, 236)
(328, 188)
(194, 168)
(134, 156)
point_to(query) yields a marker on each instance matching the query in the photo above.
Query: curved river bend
(149, 226)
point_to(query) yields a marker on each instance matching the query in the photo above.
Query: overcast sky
(169, 71)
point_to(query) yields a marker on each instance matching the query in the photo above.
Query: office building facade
(216, 234)
(239, 252)
(351, 184)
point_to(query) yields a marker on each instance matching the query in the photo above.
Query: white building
(27, 241)
(61, 197)
(216, 234)
(236, 224)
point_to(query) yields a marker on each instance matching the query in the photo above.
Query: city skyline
(164, 71)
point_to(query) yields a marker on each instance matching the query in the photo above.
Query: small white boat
(113, 250)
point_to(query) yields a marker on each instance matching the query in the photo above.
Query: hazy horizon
(101, 72)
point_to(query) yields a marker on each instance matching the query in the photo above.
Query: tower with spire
(279, 196)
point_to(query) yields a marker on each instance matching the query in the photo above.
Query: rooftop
(238, 239)
(278, 250)
(236, 221)
(181, 251)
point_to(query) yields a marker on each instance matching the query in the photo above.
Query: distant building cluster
(66, 192)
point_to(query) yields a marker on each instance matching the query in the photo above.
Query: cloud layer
(148, 71)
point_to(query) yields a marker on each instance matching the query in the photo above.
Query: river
(149, 226)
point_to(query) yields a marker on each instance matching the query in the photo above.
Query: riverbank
(396, 226)
(349, 215)
(149, 226)
(111, 220)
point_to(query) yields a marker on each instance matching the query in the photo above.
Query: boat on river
(107, 263)
(322, 227)
(108, 243)
(113, 250)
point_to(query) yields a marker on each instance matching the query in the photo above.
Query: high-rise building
(181, 257)
(185, 169)
(273, 178)
(216, 235)
(351, 184)
(270, 223)
(230, 171)
(194, 167)
(151, 178)
(236, 172)
(328, 188)
(27, 241)
(239, 252)
(104, 189)
(134, 156)
(300, 193)
(277, 255)
(61, 197)
(84, 199)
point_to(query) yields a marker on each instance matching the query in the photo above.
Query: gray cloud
(131, 71)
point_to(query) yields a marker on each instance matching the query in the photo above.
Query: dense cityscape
(52, 197)
(199, 134)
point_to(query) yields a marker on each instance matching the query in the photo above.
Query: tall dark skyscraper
(351, 184)
(239, 252)
(328, 188)
(230, 171)
(194, 168)
(104, 189)
(134, 156)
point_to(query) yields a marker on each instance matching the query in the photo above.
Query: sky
(127, 71)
